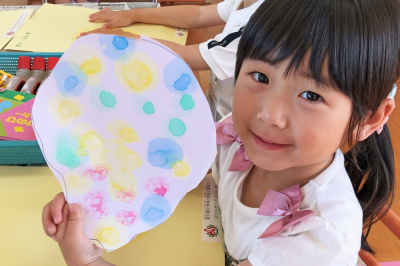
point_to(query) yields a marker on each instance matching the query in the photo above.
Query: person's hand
(114, 19)
(118, 32)
(52, 215)
(76, 247)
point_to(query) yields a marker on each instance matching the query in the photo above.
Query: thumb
(72, 222)
(112, 24)
(75, 221)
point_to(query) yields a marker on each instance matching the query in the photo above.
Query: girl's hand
(52, 215)
(118, 32)
(114, 19)
(75, 246)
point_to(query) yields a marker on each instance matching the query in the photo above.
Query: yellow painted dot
(109, 235)
(137, 74)
(180, 169)
(77, 181)
(68, 109)
(82, 151)
(121, 180)
(128, 135)
(90, 140)
(91, 66)
(133, 161)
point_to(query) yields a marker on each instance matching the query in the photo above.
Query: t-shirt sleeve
(220, 55)
(313, 242)
(225, 8)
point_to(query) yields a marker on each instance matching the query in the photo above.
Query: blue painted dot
(153, 214)
(164, 152)
(155, 210)
(117, 47)
(182, 83)
(120, 43)
(70, 83)
(178, 78)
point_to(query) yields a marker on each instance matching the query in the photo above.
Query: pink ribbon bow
(226, 134)
(285, 203)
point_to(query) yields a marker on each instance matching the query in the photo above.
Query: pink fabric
(227, 134)
(285, 203)
(391, 263)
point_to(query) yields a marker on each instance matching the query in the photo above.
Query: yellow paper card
(11, 22)
(54, 28)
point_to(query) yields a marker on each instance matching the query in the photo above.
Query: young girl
(311, 76)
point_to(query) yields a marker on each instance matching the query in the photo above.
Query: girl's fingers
(112, 24)
(57, 208)
(71, 226)
(75, 222)
(47, 221)
(62, 227)
(101, 15)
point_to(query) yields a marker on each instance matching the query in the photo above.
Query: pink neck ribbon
(226, 134)
(285, 203)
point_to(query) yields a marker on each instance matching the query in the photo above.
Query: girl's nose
(273, 110)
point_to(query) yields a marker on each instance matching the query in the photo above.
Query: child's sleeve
(220, 53)
(225, 8)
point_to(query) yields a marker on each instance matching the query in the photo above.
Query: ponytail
(370, 165)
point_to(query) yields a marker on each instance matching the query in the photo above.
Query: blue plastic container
(20, 152)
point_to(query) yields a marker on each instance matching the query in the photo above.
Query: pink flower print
(96, 204)
(126, 196)
(126, 217)
(157, 186)
(98, 173)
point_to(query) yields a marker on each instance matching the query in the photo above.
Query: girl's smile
(269, 144)
(288, 123)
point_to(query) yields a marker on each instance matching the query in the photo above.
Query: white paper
(126, 129)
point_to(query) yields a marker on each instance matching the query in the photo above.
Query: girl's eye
(311, 96)
(260, 77)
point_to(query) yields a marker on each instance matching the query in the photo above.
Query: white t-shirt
(220, 53)
(332, 237)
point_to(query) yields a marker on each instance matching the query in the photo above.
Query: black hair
(361, 41)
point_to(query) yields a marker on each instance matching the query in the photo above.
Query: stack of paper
(11, 22)
(54, 28)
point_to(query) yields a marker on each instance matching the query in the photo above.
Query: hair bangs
(350, 34)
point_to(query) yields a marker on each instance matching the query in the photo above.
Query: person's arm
(185, 16)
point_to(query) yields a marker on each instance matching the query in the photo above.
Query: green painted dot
(177, 127)
(187, 102)
(68, 158)
(148, 108)
(107, 99)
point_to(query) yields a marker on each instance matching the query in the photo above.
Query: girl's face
(288, 121)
